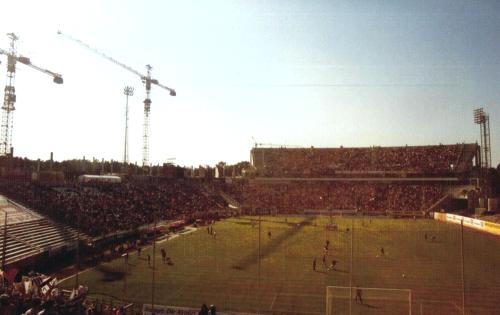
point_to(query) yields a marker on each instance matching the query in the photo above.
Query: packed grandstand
(398, 181)
(322, 162)
(101, 208)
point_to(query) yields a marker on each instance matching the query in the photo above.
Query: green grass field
(226, 271)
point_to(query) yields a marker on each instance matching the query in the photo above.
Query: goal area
(362, 300)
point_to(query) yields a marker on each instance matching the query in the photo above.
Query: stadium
(294, 231)
(387, 203)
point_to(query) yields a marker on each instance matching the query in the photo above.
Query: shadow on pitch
(369, 305)
(271, 245)
(243, 223)
(109, 274)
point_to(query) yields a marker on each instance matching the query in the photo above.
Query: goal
(361, 300)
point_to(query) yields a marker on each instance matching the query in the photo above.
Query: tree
(221, 168)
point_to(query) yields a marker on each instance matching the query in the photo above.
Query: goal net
(360, 300)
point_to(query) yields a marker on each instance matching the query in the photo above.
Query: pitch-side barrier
(480, 225)
(147, 309)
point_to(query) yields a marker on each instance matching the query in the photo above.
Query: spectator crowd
(100, 209)
(320, 162)
(370, 197)
(38, 294)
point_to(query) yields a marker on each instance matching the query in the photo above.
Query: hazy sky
(308, 73)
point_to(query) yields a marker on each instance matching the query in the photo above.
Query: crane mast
(147, 80)
(147, 110)
(9, 98)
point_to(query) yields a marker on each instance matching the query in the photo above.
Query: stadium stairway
(210, 193)
(32, 238)
(440, 204)
(457, 192)
(229, 200)
(466, 155)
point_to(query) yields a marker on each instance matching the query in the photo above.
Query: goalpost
(361, 300)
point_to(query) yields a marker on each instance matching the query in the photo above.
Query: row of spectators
(100, 209)
(38, 294)
(359, 196)
(317, 162)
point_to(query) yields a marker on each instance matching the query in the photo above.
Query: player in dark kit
(314, 264)
(359, 296)
(163, 255)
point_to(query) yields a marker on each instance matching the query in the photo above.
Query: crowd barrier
(480, 225)
(164, 310)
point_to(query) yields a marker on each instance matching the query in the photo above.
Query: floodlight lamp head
(128, 90)
(173, 93)
(479, 116)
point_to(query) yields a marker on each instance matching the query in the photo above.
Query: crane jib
(146, 79)
(6, 147)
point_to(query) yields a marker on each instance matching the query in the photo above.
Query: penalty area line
(302, 294)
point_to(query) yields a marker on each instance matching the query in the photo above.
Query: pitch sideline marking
(274, 300)
(455, 304)
(442, 302)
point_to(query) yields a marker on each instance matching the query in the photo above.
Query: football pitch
(421, 258)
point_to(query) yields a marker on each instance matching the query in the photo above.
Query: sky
(304, 73)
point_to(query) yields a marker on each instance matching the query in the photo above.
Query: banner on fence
(485, 226)
(147, 309)
(175, 310)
